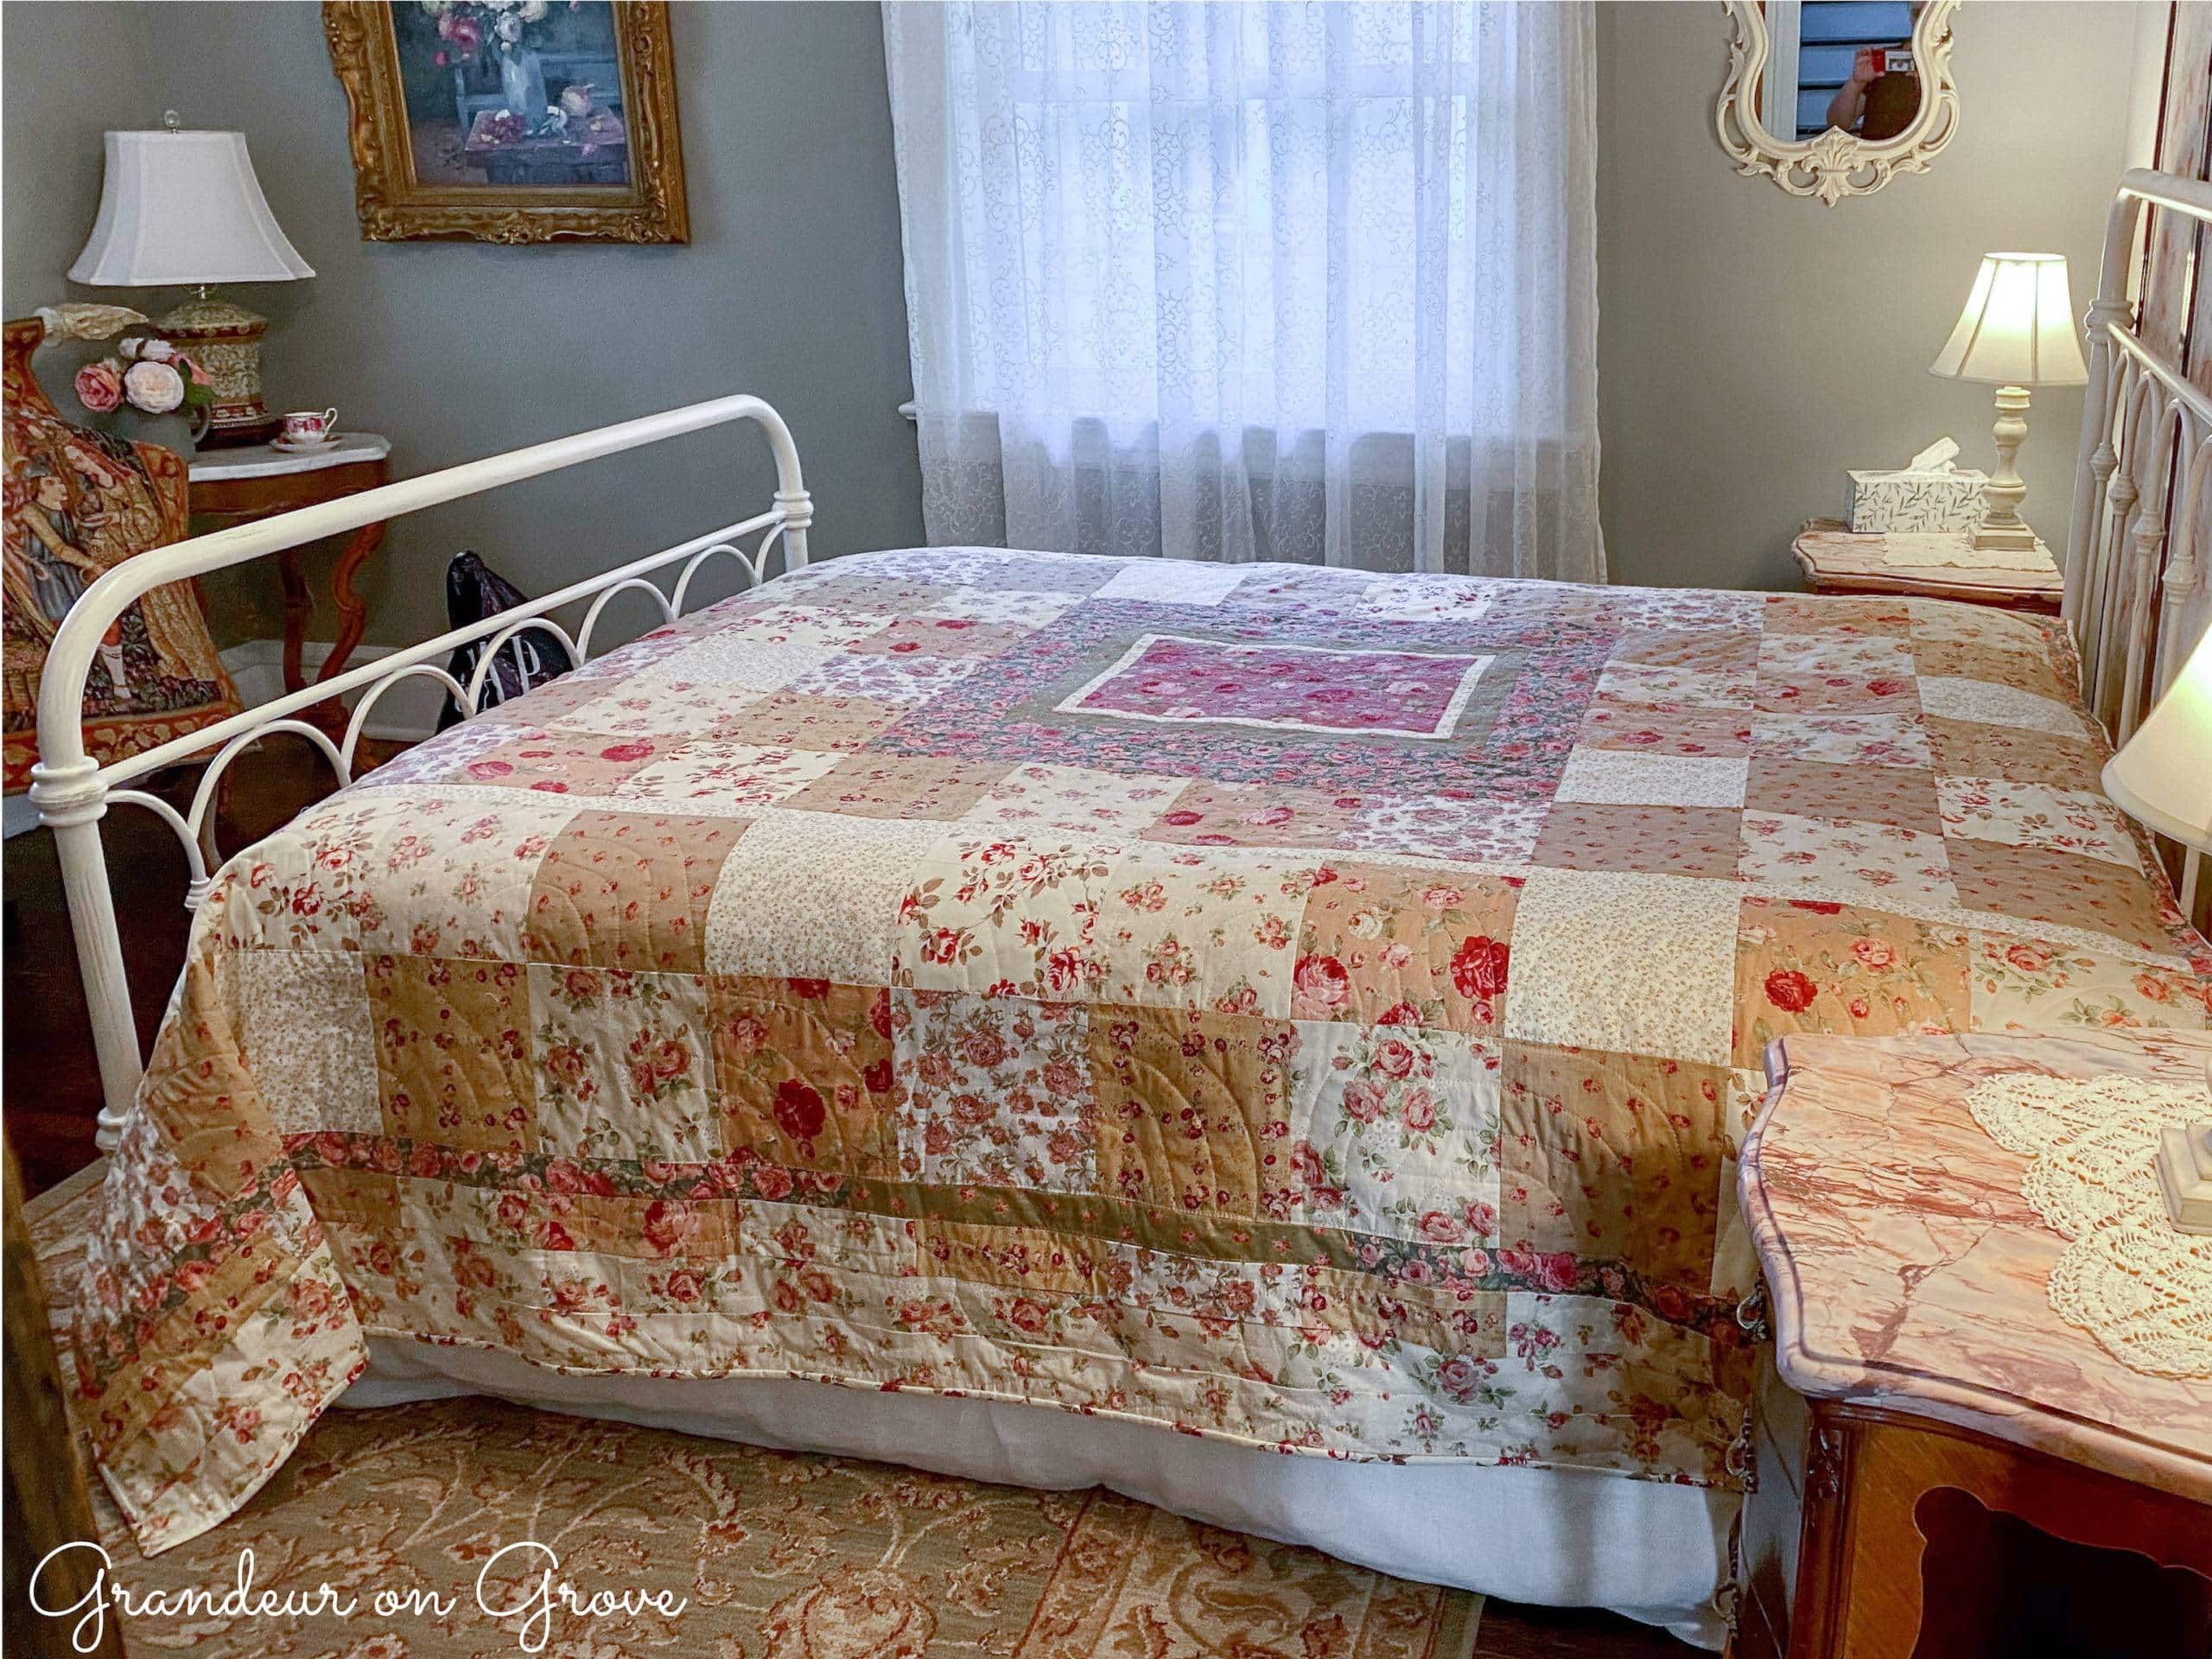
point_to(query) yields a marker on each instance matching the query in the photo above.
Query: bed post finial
(72, 799)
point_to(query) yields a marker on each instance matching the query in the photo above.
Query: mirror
(1834, 98)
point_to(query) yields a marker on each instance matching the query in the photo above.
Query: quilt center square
(1179, 678)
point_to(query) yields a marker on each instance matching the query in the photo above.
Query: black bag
(474, 592)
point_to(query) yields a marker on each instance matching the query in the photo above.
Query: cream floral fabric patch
(303, 1029)
(2037, 815)
(1644, 964)
(1997, 705)
(854, 872)
(1609, 775)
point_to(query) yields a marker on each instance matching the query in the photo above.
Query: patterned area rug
(773, 1555)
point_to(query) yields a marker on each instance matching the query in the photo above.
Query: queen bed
(1307, 1010)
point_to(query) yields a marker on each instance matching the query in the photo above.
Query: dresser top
(1828, 550)
(1905, 1270)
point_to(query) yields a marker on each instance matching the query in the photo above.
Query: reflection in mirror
(1834, 98)
(1847, 64)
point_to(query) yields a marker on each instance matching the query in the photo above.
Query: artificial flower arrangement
(151, 375)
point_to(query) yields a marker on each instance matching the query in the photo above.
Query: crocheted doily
(2126, 1276)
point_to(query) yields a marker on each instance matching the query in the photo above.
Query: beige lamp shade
(183, 208)
(2017, 328)
(2163, 775)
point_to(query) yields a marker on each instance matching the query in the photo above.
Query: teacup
(307, 426)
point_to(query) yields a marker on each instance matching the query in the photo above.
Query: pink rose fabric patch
(1165, 676)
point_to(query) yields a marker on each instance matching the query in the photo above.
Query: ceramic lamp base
(2001, 529)
(224, 341)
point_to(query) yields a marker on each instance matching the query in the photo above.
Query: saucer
(303, 448)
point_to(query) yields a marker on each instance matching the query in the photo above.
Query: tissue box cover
(1914, 501)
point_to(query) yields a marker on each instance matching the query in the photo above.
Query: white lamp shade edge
(2036, 342)
(132, 246)
(2116, 784)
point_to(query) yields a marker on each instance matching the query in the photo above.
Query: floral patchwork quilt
(1302, 1008)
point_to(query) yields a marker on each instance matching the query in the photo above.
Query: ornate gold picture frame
(511, 120)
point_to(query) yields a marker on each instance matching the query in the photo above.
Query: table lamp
(178, 208)
(2163, 776)
(2016, 331)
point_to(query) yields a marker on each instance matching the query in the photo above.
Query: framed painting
(511, 120)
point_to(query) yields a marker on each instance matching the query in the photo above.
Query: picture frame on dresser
(512, 124)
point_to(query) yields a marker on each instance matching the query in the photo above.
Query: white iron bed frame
(2139, 553)
(73, 791)
(2136, 597)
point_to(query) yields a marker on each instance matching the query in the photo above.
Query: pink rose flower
(1459, 1376)
(155, 387)
(1479, 968)
(1363, 1102)
(99, 386)
(1320, 985)
(1875, 954)
(1419, 1111)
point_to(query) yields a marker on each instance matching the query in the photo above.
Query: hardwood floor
(51, 1084)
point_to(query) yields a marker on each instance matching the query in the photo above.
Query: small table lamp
(2016, 331)
(181, 207)
(2163, 775)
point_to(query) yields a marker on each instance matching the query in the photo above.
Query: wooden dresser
(1946, 1467)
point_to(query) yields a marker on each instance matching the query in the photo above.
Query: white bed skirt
(1557, 1537)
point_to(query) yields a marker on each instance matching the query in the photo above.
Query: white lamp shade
(2163, 775)
(2017, 328)
(183, 208)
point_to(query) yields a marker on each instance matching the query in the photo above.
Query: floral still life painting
(511, 120)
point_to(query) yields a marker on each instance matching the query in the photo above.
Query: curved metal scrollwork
(492, 648)
(359, 722)
(754, 564)
(668, 611)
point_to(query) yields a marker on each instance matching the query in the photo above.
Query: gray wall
(791, 287)
(72, 71)
(1753, 345)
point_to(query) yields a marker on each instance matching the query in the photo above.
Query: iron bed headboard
(73, 791)
(2137, 557)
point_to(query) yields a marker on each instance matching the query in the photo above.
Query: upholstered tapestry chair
(80, 502)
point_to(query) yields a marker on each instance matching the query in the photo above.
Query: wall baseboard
(406, 714)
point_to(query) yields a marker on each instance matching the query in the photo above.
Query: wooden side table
(238, 485)
(1837, 561)
(1937, 1392)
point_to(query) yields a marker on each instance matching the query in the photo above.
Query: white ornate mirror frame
(1835, 164)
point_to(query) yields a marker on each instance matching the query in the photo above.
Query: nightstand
(1837, 561)
(1946, 1466)
(238, 485)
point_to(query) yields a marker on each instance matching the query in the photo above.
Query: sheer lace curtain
(1305, 282)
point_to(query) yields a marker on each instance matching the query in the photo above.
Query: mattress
(1306, 1010)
